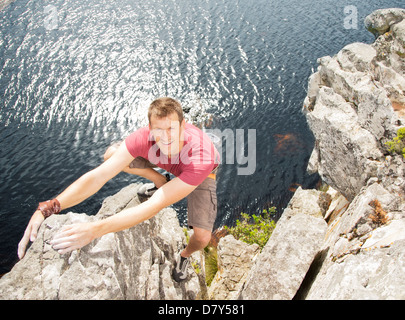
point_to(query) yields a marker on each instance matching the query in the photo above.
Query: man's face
(168, 133)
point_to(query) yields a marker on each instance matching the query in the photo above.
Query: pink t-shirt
(193, 164)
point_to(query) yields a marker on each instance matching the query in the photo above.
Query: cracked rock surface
(131, 264)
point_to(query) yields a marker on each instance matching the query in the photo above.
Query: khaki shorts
(201, 203)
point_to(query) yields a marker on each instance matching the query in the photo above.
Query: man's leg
(146, 172)
(202, 211)
(198, 240)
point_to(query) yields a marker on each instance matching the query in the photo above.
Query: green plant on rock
(397, 145)
(211, 263)
(257, 231)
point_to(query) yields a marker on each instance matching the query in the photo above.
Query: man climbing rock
(168, 142)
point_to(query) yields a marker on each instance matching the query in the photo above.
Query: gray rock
(358, 98)
(386, 235)
(235, 259)
(352, 116)
(389, 64)
(283, 263)
(356, 57)
(380, 21)
(360, 259)
(131, 264)
(341, 144)
(375, 274)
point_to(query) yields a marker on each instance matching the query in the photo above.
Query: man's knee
(203, 236)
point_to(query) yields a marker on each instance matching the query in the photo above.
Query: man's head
(162, 107)
(166, 123)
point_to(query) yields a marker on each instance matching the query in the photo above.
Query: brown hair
(162, 107)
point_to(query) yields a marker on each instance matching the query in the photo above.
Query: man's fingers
(22, 245)
(72, 237)
(30, 233)
(65, 240)
(68, 249)
(63, 232)
(61, 243)
(65, 244)
(21, 249)
(34, 231)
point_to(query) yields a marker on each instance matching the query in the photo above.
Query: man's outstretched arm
(78, 191)
(78, 235)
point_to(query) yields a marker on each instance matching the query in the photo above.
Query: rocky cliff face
(356, 249)
(131, 264)
(348, 242)
(354, 105)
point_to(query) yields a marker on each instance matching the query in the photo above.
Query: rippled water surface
(76, 76)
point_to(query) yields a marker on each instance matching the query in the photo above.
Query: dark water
(78, 75)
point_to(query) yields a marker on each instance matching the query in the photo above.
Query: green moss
(257, 231)
(401, 54)
(397, 145)
(211, 263)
